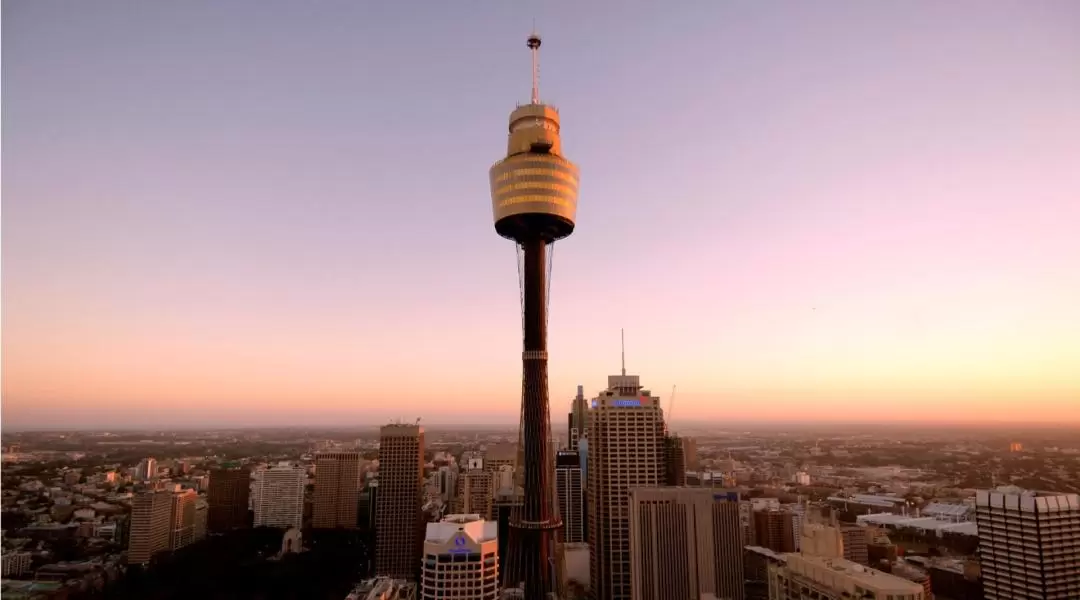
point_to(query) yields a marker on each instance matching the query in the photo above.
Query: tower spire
(622, 335)
(534, 45)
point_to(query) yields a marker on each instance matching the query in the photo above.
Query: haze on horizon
(275, 213)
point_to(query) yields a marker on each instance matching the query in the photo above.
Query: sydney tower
(534, 199)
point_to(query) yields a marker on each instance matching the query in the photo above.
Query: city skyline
(796, 214)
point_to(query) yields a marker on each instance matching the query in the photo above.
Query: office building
(337, 490)
(856, 544)
(461, 559)
(504, 506)
(146, 469)
(685, 543)
(476, 489)
(626, 451)
(570, 489)
(182, 519)
(674, 461)
(150, 526)
(578, 418)
(499, 455)
(1029, 544)
(802, 577)
(534, 203)
(775, 529)
(227, 496)
(202, 514)
(279, 496)
(399, 524)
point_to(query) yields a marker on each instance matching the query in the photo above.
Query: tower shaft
(538, 519)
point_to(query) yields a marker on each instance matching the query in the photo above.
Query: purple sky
(255, 212)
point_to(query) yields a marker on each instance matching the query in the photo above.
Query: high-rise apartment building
(182, 519)
(337, 490)
(802, 577)
(227, 496)
(461, 559)
(279, 496)
(150, 526)
(570, 489)
(399, 524)
(578, 418)
(685, 543)
(1029, 544)
(626, 451)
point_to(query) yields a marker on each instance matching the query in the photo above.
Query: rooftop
(840, 574)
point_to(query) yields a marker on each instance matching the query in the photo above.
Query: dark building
(571, 493)
(399, 519)
(227, 499)
(775, 530)
(674, 461)
(856, 544)
(502, 509)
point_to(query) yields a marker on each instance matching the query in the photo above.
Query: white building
(461, 559)
(278, 497)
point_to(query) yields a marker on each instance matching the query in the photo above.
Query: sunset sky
(266, 212)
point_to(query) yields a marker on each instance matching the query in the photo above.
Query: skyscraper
(1029, 544)
(182, 519)
(626, 451)
(685, 542)
(578, 418)
(461, 559)
(571, 492)
(279, 496)
(227, 498)
(337, 490)
(399, 526)
(534, 201)
(150, 526)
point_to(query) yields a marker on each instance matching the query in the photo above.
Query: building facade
(227, 497)
(150, 526)
(279, 496)
(685, 543)
(461, 559)
(399, 525)
(802, 577)
(625, 452)
(570, 489)
(337, 490)
(182, 519)
(1029, 544)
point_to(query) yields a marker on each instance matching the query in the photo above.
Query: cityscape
(179, 422)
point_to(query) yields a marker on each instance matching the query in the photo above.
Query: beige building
(819, 578)
(182, 519)
(399, 524)
(337, 490)
(461, 559)
(477, 490)
(685, 543)
(150, 526)
(626, 451)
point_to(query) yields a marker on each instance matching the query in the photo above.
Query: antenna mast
(534, 45)
(622, 334)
